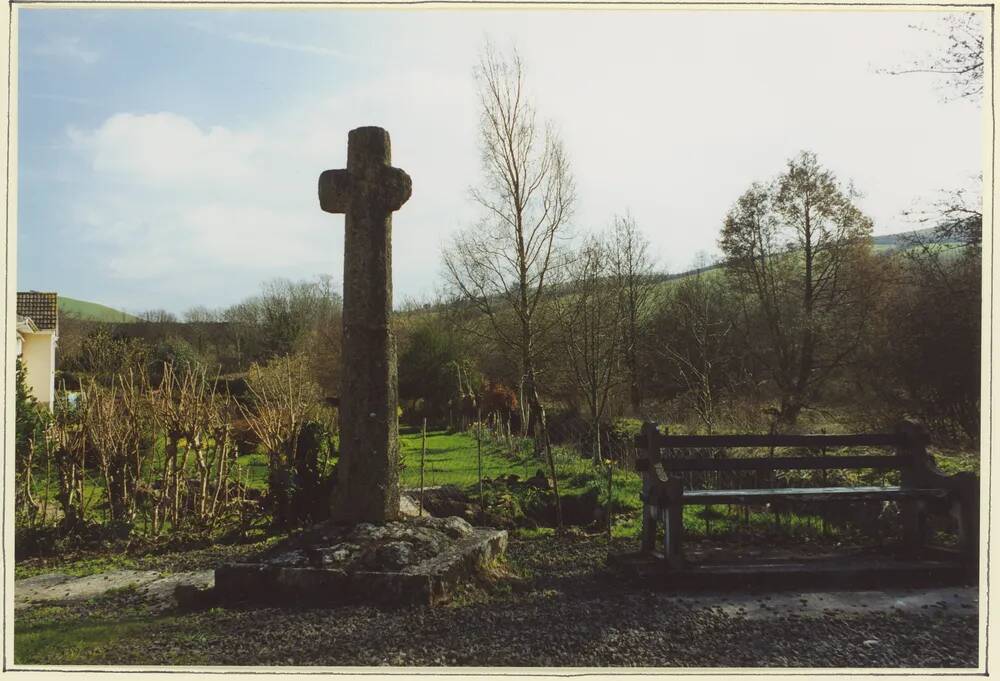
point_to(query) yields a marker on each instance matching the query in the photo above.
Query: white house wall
(38, 352)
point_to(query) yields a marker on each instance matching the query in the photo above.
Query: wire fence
(489, 459)
(600, 460)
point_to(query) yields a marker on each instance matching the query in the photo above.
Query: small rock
(395, 554)
(455, 527)
(289, 559)
(408, 506)
(191, 597)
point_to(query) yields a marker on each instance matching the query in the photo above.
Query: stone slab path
(55, 587)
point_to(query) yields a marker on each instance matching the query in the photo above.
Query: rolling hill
(102, 313)
(94, 312)
(881, 244)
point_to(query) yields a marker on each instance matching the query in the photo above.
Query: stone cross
(367, 192)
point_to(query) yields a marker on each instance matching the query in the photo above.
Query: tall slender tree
(506, 264)
(799, 251)
(632, 269)
(590, 335)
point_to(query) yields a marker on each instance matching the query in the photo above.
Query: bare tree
(505, 264)
(632, 269)
(700, 342)
(284, 399)
(158, 316)
(797, 249)
(962, 60)
(591, 316)
(199, 314)
(955, 217)
(195, 424)
(119, 426)
(937, 307)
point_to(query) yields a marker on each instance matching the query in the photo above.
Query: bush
(284, 415)
(29, 429)
(29, 416)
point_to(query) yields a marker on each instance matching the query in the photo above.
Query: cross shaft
(367, 192)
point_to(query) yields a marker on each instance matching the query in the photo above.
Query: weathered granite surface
(416, 561)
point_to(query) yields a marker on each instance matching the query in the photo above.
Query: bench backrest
(908, 441)
(897, 461)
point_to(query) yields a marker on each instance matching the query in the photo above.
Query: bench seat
(763, 496)
(923, 489)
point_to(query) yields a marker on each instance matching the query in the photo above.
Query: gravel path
(555, 609)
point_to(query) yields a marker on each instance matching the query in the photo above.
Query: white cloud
(183, 198)
(165, 148)
(65, 47)
(657, 120)
(170, 199)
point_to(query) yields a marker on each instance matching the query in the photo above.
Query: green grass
(452, 459)
(955, 462)
(72, 642)
(94, 312)
(52, 635)
(254, 470)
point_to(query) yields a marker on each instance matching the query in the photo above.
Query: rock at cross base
(367, 192)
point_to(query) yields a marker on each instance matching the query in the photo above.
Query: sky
(168, 158)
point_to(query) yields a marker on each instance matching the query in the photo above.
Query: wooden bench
(922, 484)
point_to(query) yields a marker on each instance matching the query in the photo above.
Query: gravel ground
(555, 607)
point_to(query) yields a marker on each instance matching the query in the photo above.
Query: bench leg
(914, 516)
(673, 525)
(968, 522)
(648, 535)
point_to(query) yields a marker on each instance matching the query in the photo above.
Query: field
(94, 312)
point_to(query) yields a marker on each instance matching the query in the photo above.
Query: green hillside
(94, 312)
(884, 243)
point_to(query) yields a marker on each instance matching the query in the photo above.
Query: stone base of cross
(367, 192)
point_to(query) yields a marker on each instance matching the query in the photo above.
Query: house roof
(41, 308)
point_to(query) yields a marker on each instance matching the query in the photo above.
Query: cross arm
(334, 191)
(394, 188)
(388, 188)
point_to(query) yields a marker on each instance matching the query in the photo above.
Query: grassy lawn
(452, 459)
(72, 642)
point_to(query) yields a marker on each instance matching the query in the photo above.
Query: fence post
(611, 469)
(824, 528)
(479, 457)
(423, 452)
(649, 519)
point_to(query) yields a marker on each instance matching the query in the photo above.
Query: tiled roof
(41, 308)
